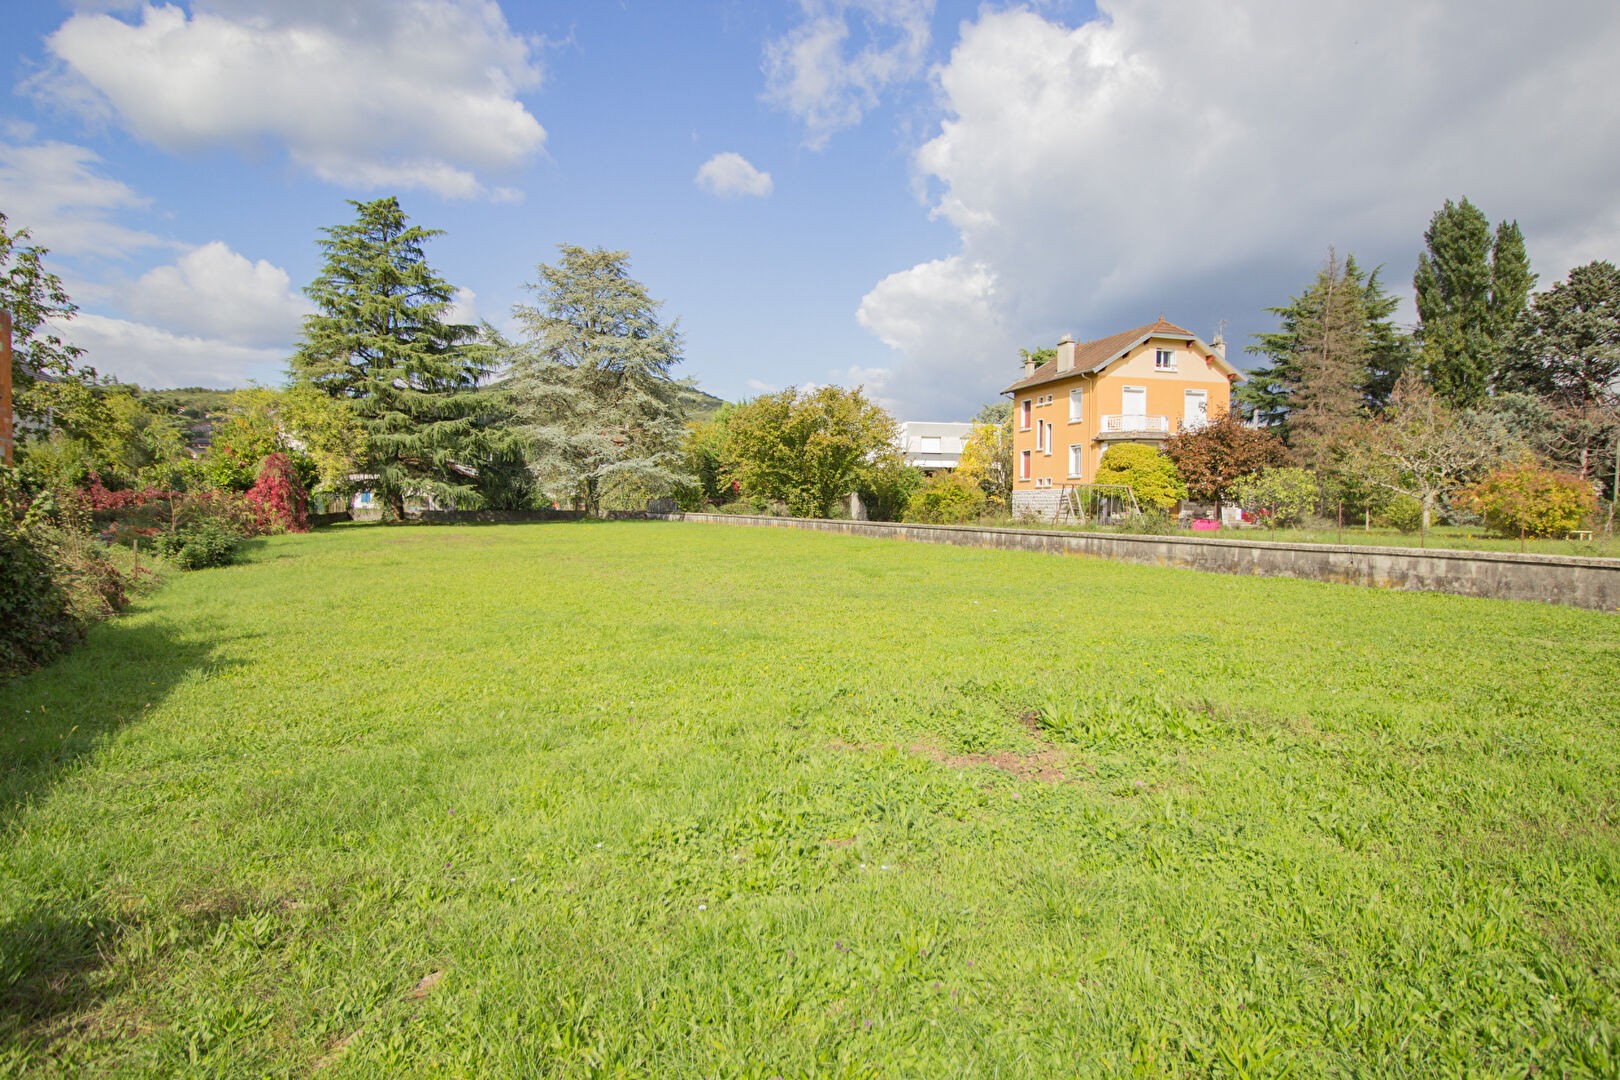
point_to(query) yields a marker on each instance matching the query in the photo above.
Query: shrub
(947, 499)
(230, 510)
(1278, 497)
(887, 488)
(1528, 500)
(1150, 474)
(196, 547)
(35, 623)
(54, 580)
(1150, 522)
(277, 498)
(1402, 512)
(95, 587)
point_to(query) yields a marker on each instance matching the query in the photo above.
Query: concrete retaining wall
(452, 516)
(1556, 579)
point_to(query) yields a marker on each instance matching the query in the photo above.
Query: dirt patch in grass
(1044, 765)
(1040, 765)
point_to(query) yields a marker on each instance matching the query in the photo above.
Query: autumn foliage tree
(278, 499)
(1423, 449)
(1214, 457)
(1529, 500)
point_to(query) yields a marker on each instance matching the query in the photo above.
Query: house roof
(1090, 356)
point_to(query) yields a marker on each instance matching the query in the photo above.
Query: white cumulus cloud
(213, 292)
(155, 357)
(816, 72)
(731, 174)
(56, 190)
(413, 93)
(1197, 160)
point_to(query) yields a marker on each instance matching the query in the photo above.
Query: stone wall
(1556, 579)
(453, 516)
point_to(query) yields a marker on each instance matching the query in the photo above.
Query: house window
(1195, 409)
(1049, 439)
(365, 498)
(1076, 406)
(930, 444)
(1040, 434)
(1023, 465)
(1077, 457)
(1164, 360)
(1024, 417)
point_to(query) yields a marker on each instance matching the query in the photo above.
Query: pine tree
(1471, 288)
(1329, 363)
(379, 339)
(1270, 392)
(592, 390)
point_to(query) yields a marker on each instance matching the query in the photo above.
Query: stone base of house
(1041, 503)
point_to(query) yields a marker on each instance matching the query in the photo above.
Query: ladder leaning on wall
(1073, 500)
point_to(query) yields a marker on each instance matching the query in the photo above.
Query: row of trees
(1499, 363)
(389, 391)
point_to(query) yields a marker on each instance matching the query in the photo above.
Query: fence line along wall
(1556, 579)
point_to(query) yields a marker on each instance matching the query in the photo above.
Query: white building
(933, 446)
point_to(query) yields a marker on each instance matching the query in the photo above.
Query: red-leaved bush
(98, 500)
(277, 498)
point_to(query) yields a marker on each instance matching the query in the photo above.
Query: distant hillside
(702, 406)
(201, 405)
(192, 402)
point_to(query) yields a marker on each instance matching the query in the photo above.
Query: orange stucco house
(1138, 385)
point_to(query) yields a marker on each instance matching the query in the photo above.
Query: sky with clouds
(895, 193)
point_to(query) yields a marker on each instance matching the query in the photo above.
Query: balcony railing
(1120, 422)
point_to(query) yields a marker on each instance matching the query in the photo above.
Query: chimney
(1219, 343)
(1065, 354)
(1029, 366)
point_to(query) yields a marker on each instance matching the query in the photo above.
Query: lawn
(659, 799)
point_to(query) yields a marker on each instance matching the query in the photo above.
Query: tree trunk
(396, 504)
(1428, 517)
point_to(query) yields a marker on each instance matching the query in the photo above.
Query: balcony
(1133, 426)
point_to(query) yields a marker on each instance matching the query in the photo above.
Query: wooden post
(7, 433)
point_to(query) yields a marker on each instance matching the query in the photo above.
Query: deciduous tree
(1528, 500)
(808, 449)
(1213, 457)
(1423, 449)
(36, 299)
(987, 460)
(1151, 476)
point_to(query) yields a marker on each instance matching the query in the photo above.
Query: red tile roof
(1091, 355)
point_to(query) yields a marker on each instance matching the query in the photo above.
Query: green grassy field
(655, 799)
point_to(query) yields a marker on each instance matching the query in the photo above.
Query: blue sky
(897, 193)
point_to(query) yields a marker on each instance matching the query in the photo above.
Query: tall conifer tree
(380, 339)
(1471, 287)
(1381, 349)
(593, 389)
